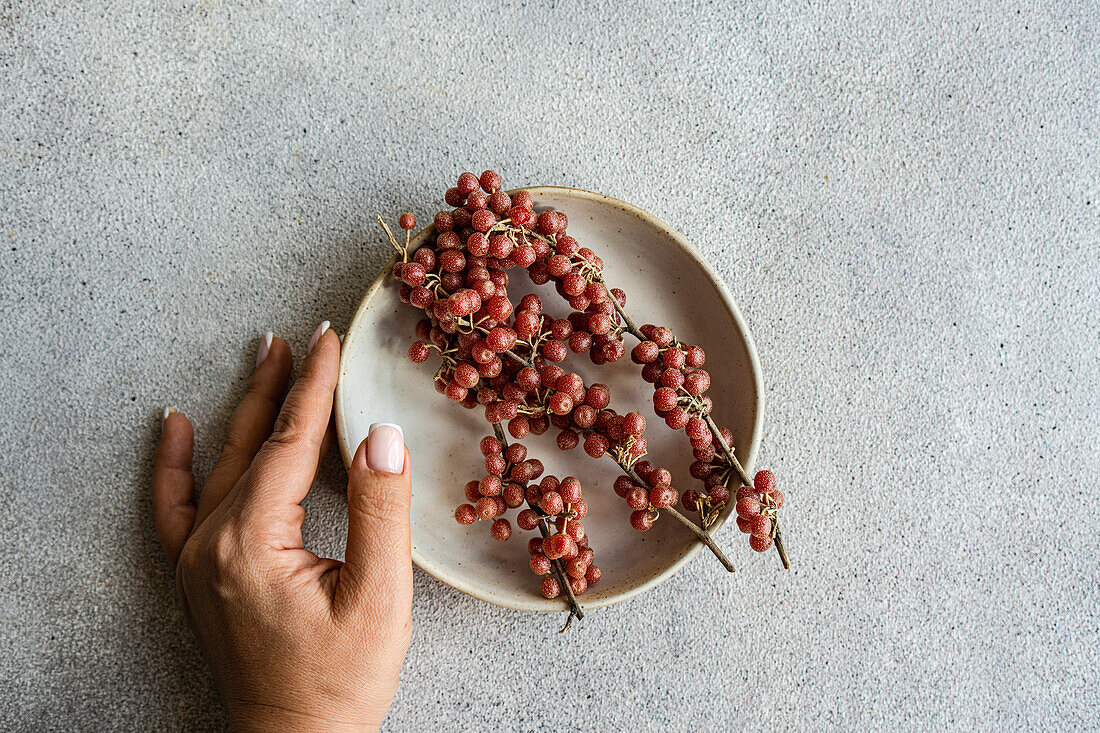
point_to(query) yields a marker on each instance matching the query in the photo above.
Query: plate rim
(347, 452)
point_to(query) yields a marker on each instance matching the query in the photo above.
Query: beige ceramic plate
(667, 282)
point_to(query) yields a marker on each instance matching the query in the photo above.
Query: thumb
(377, 562)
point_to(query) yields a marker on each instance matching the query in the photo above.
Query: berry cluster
(757, 506)
(504, 357)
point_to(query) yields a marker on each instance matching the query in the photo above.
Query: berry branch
(574, 607)
(716, 432)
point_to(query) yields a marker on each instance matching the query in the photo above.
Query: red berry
(551, 503)
(454, 197)
(561, 403)
(452, 260)
(516, 453)
(673, 359)
(448, 240)
(695, 356)
(745, 525)
(520, 216)
(764, 481)
(467, 183)
(483, 220)
(568, 440)
(466, 375)
(477, 201)
(760, 544)
(444, 222)
(697, 382)
(461, 217)
(697, 429)
(501, 339)
(519, 427)
(593, 575)
(573, 285)
(495, 464)
(553, 350)
(748, 507)
(490, 181)
(523, 198)
(491, 485)
(547, 223)
(541, 564)
(579, 585)
(597, 396)
(596, 445)
(584, 416)
(777, 497)
(719, 494)
(500, 202)
(760, 526)
(676, 418)
(550, 587)
(580, 506)
(662, 336)
(660, 477)
(406, 220)
(501, 530)
(455, 392)
(641, 520)
(576, 568)
(527, 519)
(664, 398)
(663, 496)
(524, 255)
(637, 498)
(644, 352)
(534, 545)
(569, 489)
(513, 495)
(419, 352)
(556, 545)
(499, 307)
(690, 500)
(672, 378)
(465, 514)
(623, 485)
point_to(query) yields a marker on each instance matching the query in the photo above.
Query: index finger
(284, 468)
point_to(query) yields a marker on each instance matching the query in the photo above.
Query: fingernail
(317, 336)
(386, 448)
(167, 411)
(265, 348)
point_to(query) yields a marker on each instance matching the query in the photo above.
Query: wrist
(256, 717)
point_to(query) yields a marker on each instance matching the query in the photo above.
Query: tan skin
(294, 641)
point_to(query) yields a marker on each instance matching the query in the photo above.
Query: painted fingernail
(265, 348)
(167, 411)
(386, 448)
(317, 336)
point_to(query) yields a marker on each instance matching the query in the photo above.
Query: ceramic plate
(666, 282)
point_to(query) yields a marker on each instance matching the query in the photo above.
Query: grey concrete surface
(903, 200)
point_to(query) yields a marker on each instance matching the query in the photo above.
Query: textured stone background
(903, 201)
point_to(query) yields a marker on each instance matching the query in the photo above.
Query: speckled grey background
(904, 202)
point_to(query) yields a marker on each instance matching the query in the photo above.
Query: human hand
(293, 640)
